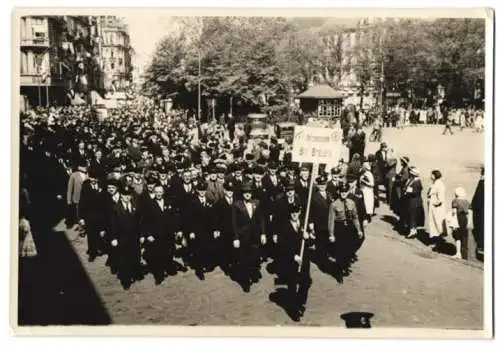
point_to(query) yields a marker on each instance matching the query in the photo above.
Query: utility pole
(382, 72)
(199, 86)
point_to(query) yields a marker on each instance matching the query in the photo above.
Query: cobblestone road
(402, 282)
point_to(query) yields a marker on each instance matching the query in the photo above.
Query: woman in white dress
(436, 205)
(367, 183)
(478, 123)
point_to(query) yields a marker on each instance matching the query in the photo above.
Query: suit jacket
(161, 224)
(246, 228)
(222, 217)
(181, 200)
(290, 243)
(381, 162)
(75, 184)
(302, 191)
(262, 195)
(333, 190)
(124, 225)
(99, 168)
(109, 209)
(200, 219)
(320, 208)
(91, 202)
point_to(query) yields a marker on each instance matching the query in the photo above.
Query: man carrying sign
(291, 255)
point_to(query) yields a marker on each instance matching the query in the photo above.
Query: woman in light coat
(367, 183)
(436, 205)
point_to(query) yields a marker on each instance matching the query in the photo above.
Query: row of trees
(260, 62)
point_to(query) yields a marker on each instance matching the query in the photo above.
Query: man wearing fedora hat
(298, 282)
(320, 206)
(125, 234)
(74, 190)
(249, 232)
(198, 227)
(302, 183)
(91, 213)
(222, 225)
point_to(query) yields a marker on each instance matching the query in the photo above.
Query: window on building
(112, 66)
(112, 54)
(24, 63)
(120, 61)
(37, 21)
(328, 109)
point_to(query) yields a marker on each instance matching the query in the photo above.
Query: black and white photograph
(252, 169)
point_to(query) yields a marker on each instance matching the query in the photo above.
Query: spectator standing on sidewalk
(477, 206)
(436, 205)
(460, 210)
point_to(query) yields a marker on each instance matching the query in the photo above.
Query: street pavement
(403, 283)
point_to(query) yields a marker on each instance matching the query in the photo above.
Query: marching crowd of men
(167, 194)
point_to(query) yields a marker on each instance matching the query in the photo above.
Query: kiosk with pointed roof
(322, 101)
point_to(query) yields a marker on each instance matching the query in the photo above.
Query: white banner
(317, 145)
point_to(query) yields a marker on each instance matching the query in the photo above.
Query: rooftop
(321, 91)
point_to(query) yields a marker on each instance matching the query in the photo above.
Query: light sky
(145, 32)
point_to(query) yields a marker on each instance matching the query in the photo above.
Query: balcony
(35, 42)
(33, 80)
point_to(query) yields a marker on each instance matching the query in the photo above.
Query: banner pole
(306, 219)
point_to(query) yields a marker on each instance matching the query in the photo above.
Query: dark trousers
(298, 284)
(389, 186)
(447, 127)
(463, 234)
(160, 258)
(128, 261)
(478, 221)
(93, 240)
(72, 216)
(247, 262)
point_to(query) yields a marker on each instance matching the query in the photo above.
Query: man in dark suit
(214, 189)
(291, 236)
(91, 213)
(199, 227)
(381, 157)
(182, 193)
(282, 207)
(237, 179)
(124, 235)
(272, 183)
(159, 226)
(249, 231)
(320, 207)
(302, 184)
(98, 167)
(223, 232)
(334, 184)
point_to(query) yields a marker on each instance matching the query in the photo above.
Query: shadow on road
(282, 297)
(392, 220)
(357, 319)
(53, 287)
